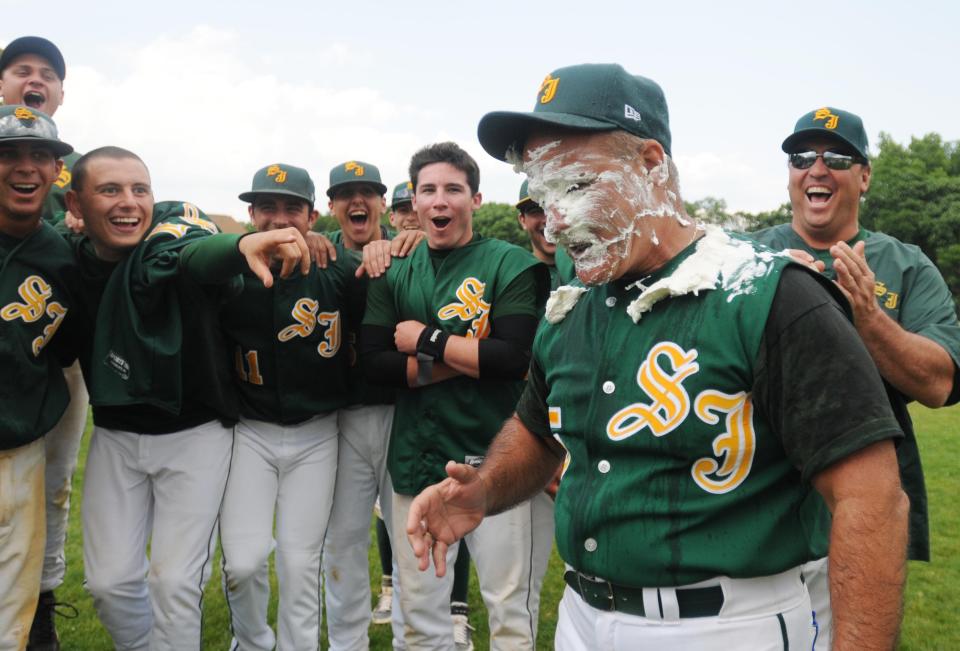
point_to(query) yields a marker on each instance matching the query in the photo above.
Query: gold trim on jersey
(35, 291)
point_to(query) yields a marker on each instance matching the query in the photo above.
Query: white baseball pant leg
(22, 532)
(542, 533)
(63, 446)
(816, 575)
(361, 476)
(291, 470)
(166, 489)
(502, 548)
(762, 614)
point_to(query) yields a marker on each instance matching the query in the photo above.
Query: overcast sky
(207, 93)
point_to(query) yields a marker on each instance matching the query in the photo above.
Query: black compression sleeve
(381, 362)
(505, 355)
(815, 381)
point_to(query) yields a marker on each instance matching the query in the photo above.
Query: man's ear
(73, 203)
(864, 179)
(651, 153)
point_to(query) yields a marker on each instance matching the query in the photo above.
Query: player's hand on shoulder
(322, 250)
(75, 224)
(405, 242)
(856, 280)
(376, 259)
(285, 246)
(804, 258)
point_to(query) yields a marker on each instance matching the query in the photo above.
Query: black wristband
(431, 343)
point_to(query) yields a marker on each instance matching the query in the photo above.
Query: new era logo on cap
(631, 113)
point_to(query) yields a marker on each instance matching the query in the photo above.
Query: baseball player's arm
(517, 465)
(868, 541)
(917, 366)
(217, 258)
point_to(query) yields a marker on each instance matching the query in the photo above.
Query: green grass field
(932, 606)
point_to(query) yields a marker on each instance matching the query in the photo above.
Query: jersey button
(609, 387)
(611, 301)
(590, 545)
(604, 466)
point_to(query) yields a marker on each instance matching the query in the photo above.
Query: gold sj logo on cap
(356, 169)
(278, 172)
(825, 114)
(548, 88)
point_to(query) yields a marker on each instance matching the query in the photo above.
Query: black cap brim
(379, 186)
(501, 130)
(789, 145)
(34, 45)
(59, 148)
(252, 195)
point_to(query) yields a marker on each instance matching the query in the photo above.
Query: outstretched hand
(285, 245)
(444, 513)
(322, 250)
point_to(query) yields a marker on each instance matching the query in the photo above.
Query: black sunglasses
(802, 160)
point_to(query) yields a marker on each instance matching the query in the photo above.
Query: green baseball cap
(355, 171)
(586, 97)
(281, 178)
(830, 122)
(403, 193)
(19, 123)
(34, 45)
(525, 201)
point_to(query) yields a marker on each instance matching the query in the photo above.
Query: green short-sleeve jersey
(910, 289)
(35, 297)
(288, 344)
(563, 271)
(156, 361)
(455, 419)
(673, 476)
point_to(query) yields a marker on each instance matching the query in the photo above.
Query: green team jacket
(288, 341)
(910, 289)
(672, 476)
(156, 361)
(361, 391)
(457, 418)
(36, 294)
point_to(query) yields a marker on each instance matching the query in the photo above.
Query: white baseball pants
(816, 576)
(503, 549)
(63, 447)
(22, 532)
(165, 490)
(361, 476)
(761, 614)
(288, 470)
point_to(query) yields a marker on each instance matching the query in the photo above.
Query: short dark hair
(446, 152)
(79, 171)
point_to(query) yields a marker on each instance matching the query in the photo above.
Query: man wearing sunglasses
(901, 305)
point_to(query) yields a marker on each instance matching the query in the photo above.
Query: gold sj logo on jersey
(35, 292)
(471, 307)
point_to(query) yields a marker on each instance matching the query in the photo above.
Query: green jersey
(910, 289)
(288, 341)
(361, 391)
(156, 361)
(35, 294)
(55, 205)
(679, 467)
(457, 418)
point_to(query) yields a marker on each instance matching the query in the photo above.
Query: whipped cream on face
(561, 301)
(583, 213)
(719, 262)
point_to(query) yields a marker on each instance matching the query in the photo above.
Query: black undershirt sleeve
(532, 406)
(505, 355)
(381, 362)
(814, 380)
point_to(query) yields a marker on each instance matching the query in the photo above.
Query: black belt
(603, 595)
